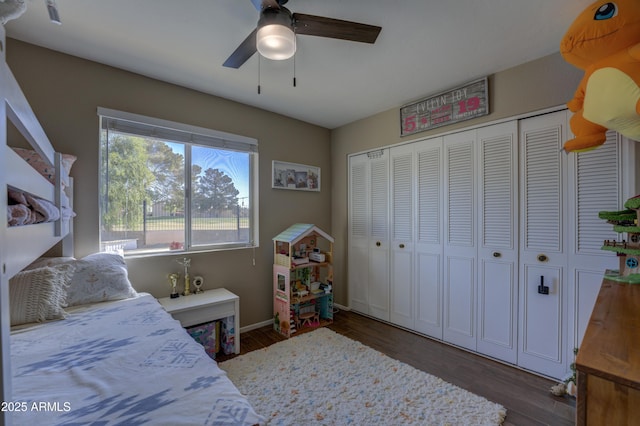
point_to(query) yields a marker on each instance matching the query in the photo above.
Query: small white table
(205, 307)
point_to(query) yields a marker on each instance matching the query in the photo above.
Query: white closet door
(543, 257)
(402, 234)
(359, 212)
(379, 237)
(369, 233)
(498, 241)
(595, 182)
(428, 237)
(460, 241)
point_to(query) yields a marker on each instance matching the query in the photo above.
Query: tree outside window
(147, 204)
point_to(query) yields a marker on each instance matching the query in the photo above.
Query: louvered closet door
(379, 236)
(498, 241)
(359, 217)
(369, 233)
(460, 241)
(594, 179)
(543, 245)
(428, 275)
(402, 235)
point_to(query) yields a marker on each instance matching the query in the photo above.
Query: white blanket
(126, 362)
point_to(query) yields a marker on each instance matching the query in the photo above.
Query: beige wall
(543, 83)
(64, 92)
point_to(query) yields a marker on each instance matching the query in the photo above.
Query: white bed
(124, 362)
(116, 362)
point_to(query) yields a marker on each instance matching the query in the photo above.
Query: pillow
(38, 295)
(51, 262)
(99, 277)
(47, 171)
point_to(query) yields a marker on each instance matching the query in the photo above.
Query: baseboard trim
(256, 325)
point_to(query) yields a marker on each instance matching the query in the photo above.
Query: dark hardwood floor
(525, 396)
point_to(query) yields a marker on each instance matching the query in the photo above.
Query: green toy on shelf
(628, 251)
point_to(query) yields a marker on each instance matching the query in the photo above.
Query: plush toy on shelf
(604, 41)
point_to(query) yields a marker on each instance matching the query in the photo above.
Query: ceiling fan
(274, 37)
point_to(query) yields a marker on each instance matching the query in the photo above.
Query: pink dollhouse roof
(298, 231)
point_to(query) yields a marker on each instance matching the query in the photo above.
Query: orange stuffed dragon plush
(604, 41)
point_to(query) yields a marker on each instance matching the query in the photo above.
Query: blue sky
(233, 164)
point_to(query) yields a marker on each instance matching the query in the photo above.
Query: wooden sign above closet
(459, 104)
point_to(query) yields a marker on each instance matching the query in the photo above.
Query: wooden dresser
(608, 362)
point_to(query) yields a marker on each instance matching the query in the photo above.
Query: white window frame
(141, 125)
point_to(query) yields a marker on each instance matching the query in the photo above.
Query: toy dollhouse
(302, 279)
(628, 251)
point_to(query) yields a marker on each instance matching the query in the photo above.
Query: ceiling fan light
(276, 42)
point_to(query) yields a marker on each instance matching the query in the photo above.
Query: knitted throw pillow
(39, 295)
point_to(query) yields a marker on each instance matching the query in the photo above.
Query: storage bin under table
(211, 305)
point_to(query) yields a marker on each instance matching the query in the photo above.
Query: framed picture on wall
(299, 177)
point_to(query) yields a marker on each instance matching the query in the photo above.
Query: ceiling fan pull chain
(258, 74)
(294, 70)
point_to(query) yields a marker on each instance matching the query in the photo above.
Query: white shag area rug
(324, 378)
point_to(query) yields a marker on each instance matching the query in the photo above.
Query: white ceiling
(424, 47)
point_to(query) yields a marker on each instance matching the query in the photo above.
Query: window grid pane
(144, 193)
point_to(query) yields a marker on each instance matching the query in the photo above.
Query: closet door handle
(378, 244)
(401, 246)
(542, 258)
(497, 254)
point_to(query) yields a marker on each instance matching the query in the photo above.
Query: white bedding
(125, 362)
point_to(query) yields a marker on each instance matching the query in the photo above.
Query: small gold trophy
(173, 279)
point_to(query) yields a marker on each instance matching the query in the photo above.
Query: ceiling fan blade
(246, 50)
(265, 4)
(334, 28)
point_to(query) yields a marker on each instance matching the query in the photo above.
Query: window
(171, 187)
